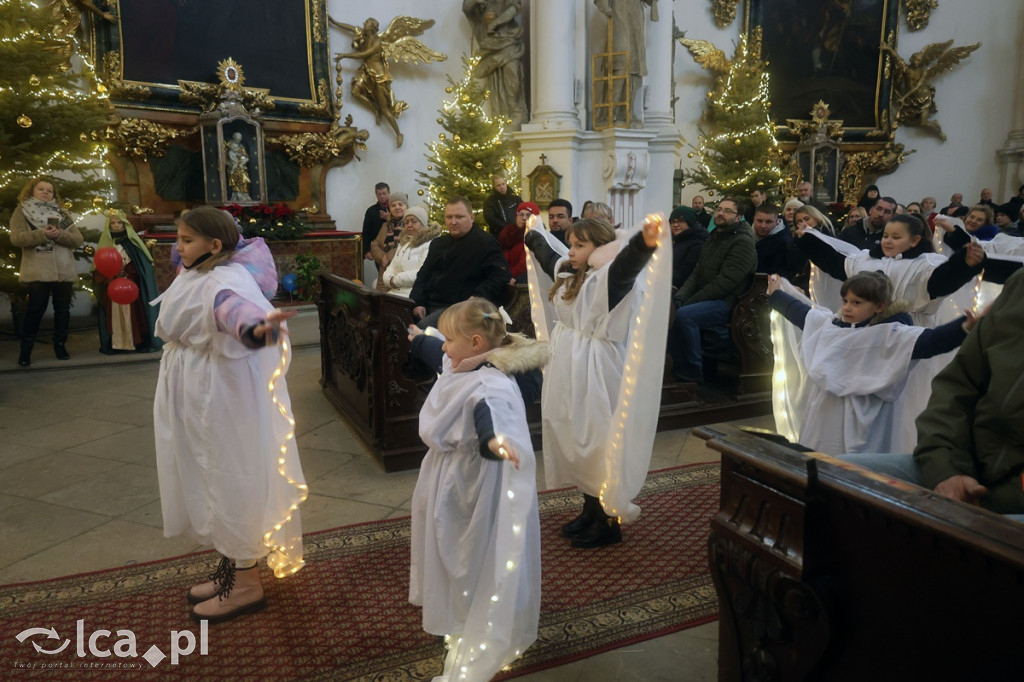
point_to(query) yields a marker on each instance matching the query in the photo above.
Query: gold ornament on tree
(24, 121)
(33, 80)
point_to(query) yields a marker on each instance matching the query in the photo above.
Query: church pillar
(1011, 156)
(554, 64)
(658, 102)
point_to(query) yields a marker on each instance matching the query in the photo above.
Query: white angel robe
(909, 277)
(602, 388)
(218, 434)
(842, 390)
(475, 561)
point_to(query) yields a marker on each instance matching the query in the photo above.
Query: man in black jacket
(869, 231)
(500, 207)
(465, 262)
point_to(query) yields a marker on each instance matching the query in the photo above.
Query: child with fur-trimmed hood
(475, 561)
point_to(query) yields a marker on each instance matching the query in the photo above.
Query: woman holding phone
(47, 237)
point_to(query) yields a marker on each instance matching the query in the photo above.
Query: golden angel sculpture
(372, 84)
(914, 103)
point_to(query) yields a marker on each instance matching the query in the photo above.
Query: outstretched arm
(830, 261)
(344, 27)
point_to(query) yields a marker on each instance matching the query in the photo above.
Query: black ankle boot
(25, 357)
(60, 351)
(577, 525)
(601, 531)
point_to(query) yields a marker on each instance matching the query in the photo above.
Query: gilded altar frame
(157, 45)
(816, 51)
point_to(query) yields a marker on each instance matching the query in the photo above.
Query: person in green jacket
(705, 300)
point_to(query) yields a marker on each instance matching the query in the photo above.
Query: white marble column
(658, 104)
(553, 62)
(1011, 156)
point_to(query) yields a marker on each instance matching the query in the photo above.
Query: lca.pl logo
(183, 643)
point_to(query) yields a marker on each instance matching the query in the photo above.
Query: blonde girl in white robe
(475, 546)
(219, 432)
(602, 389)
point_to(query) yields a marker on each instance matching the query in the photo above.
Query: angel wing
(949, 58)
(400, 42)
(706, 54)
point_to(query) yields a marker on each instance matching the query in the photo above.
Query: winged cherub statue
(912, 82)
(372, 84)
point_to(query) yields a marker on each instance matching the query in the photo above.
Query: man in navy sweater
(465, 262)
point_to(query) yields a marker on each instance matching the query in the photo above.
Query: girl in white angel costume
(846, 383)
(475, 560)
(602, 389)
(219, 432)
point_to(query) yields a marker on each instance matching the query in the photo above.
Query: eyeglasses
(726, 211)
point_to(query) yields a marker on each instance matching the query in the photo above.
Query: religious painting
(828, 50)
(155, 44)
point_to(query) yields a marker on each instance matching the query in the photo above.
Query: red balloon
(107, 261)
(122, 290)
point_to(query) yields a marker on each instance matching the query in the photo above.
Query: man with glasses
(724, 270)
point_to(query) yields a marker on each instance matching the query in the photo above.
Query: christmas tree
(52, 118)
(470, 151)
(737, 151)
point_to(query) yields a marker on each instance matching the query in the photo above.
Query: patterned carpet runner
(345, 615)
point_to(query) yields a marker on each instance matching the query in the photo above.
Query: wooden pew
(365, 370)
(825, 571)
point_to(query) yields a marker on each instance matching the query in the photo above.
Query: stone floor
(78, 488)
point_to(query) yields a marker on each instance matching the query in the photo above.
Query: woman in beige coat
(47, 237)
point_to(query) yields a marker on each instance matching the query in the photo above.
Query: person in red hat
(511, 240)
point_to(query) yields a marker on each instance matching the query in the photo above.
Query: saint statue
(499, 40)
(627, 24)
(237, 165)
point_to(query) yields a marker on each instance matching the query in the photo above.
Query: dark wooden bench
(825, 571)
(366, 372)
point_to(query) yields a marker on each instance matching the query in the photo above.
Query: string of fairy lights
(284, 561)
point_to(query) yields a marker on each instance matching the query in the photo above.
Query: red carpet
(345, 615)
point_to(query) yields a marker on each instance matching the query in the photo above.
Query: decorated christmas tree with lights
(737, 152)
(53, 117)
(470, 151)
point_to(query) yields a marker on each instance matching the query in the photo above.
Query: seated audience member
(869, 231)
(805, 193)
(789, 209)
(724, 270)
(900, 210)
(688, 237)
(956, 208)
(599, 211)
(511, 240)
(1006, 221)
(559, 218)
(375, 216)
(757, 198)
(413, 245)
(702, 212)
(986, 199)
(914, 207)
(977, 222)
(869, 197)
(808, 216)
(856, 214)
(384, 245)
(1017, 202)
(928, 211)
(500, 206)
(969, 445)
(773, 241)
(465, 262)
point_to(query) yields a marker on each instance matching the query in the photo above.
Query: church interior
(291, 117)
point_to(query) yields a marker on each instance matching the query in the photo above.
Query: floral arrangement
(271, 222)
